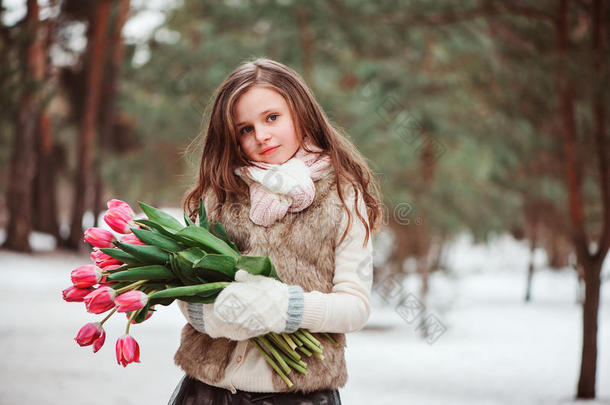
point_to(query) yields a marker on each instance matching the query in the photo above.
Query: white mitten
(256, 303)
(251, 306)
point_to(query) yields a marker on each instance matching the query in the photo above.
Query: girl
(287, 185)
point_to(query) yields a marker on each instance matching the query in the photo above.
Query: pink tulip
(120, 204)
(99, 237)
(90, 334)
(99, 342)
(102, 260)
(107, 264)
(98, 256)
(132, 239)
(75, 294)
(127, 350)
(148, 315)
(131, 301)
(100, 300)
(120, 219)
(86, 276)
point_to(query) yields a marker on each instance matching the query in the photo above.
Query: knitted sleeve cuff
(195, 315)
(295, 308)
(314, 311)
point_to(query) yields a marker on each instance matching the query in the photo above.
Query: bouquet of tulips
(158, 260)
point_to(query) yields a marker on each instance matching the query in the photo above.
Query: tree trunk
(44, 204)
(592, 263)
(107, 107)
(530, 271)
(45, 208)
(87, 135)
(588, 365)
(19, 190)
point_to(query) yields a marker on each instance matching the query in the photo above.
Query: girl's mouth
(271, 150)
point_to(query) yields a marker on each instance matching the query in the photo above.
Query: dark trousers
(191, 391)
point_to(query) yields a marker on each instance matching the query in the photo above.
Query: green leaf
(260, 265)
(155, 239)
(219, 230)
(163, 230)
(189, 290)
(203, 215)
(121, 255)
(141, 314)
(218, 263)
(203, 238)
(154, 272)
(195, 299)
(175, 267)
(188, 221)
(185, 267)
(160, 217)
(193, 254)
(212, 275)
(145, 253)
(162, 301)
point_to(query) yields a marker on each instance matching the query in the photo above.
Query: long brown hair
(222, 153)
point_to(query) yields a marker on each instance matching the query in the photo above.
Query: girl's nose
(261, 134)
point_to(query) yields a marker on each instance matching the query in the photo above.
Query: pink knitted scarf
(288, 187)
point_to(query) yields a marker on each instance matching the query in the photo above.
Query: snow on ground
(496, 349)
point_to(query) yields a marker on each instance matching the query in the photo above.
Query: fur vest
(302, 247)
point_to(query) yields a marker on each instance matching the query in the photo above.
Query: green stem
(308, 343)
(298, 367)
(304, 350)
(289, 340)
(284, 346)
(109, 315)
(329, 337)
(263, 340)
(311, 338)
(271, 362)
(133, 315)
(296, 340)
(130, 286)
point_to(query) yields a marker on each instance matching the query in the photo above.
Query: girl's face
(264, 126)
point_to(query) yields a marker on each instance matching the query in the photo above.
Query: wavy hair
(222, 152)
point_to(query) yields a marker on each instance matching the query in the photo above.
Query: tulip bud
(120, 204)
(120, 219)
(131, 301)
(112, 266)
(132, 239)
(102, 260)
(86, 276)
(75, 294)
(127, 350)
(99, 237)
(99, 342)
(100, 300)
(89, 334)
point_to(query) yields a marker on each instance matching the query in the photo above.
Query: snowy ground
(496, 349)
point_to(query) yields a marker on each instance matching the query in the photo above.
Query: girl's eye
(245, 129)
(274, 117)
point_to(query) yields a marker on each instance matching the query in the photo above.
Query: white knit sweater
(345, 309)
